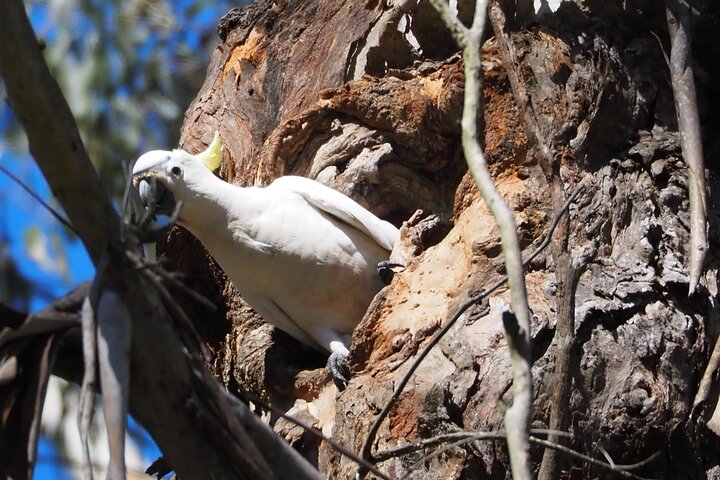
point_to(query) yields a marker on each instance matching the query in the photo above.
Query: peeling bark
(202, 430)
(290, 95)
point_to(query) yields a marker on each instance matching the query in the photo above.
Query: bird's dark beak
(154, 193)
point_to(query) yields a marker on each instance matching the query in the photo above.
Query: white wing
(273, 314)
(341, 207)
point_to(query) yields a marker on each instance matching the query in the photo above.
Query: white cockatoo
(303, 255)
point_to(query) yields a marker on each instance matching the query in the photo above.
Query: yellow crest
(212, 156)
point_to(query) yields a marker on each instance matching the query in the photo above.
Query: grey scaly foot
(385, 271)
(338, 370)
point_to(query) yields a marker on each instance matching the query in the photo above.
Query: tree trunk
(337, 91)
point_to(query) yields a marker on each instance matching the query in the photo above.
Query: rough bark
(332, 90)
(202, 430)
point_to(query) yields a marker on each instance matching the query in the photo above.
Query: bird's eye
(177, 171)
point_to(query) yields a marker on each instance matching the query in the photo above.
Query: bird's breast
(315, 268)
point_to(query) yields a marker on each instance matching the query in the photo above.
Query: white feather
(303, 255)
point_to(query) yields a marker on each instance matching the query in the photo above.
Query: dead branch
(517, 417)
(28, 348)
(708, 379)
(565, 271)
(456, 439)
(618, 469)
(86, 405)
(57, 317)
(683, 85)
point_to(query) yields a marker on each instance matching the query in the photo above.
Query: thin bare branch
(445, 448)
(640, 464)
(478, 436)
(37, 198)
(517, 417)
(565, 270)
(438, 440)
(618, 469)
(86, 406)
(457, 29)
(683, 84)
(459, 438)
(183, 323)
(173, 281)
(708, 378)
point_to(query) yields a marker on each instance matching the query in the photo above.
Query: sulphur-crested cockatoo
(303, 255)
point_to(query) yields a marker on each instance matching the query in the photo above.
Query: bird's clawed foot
(338, 370)
(385, 271)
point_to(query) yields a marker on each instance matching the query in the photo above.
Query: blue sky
(55, 268)
(19, 213)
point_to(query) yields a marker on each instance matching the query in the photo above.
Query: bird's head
(174, 174)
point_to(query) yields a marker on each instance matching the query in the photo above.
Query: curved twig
(565, 272)
(618, 469)
(42, 202)
(517, 417)
(460, 438)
